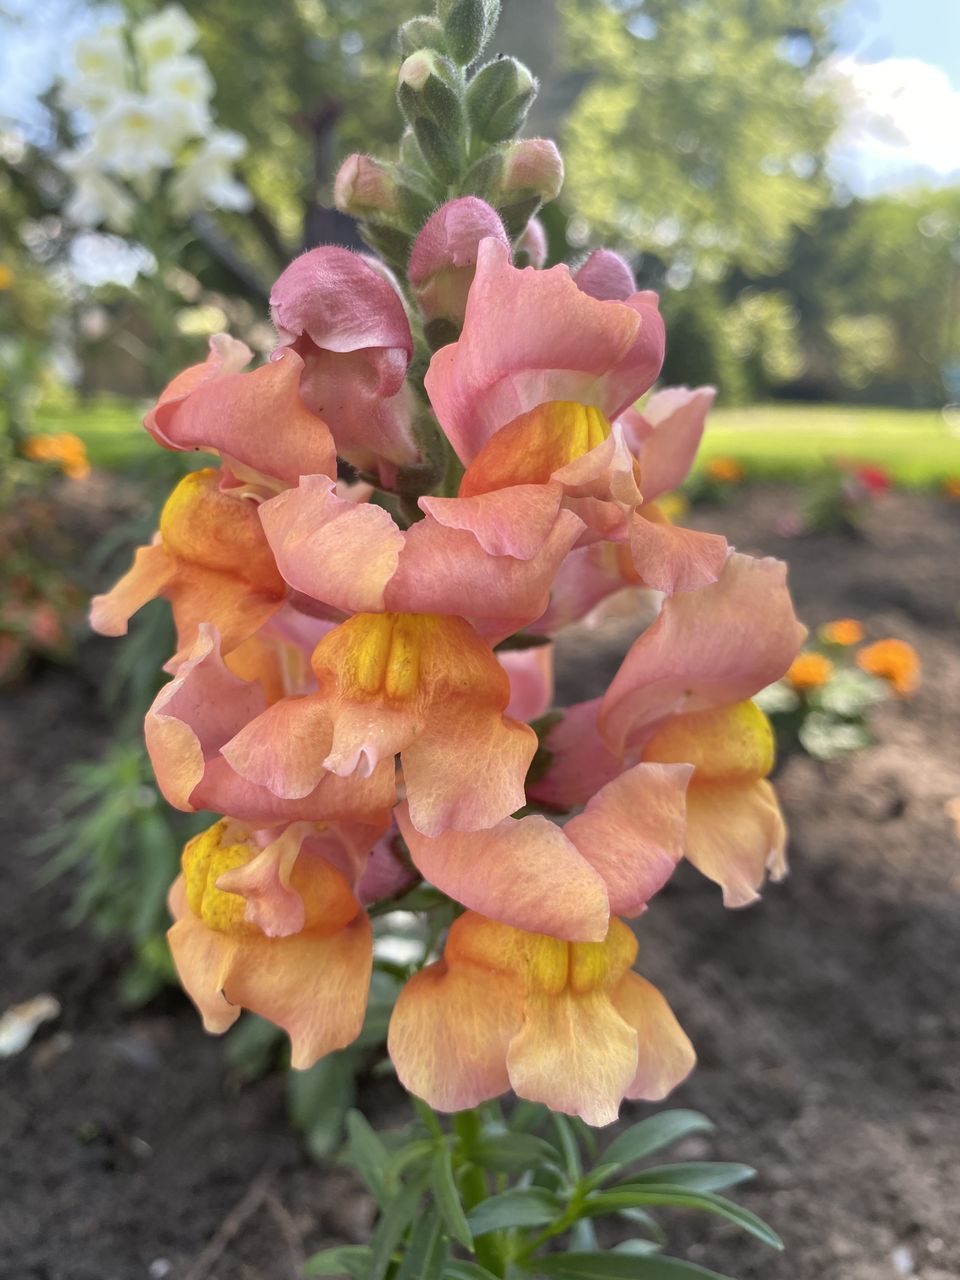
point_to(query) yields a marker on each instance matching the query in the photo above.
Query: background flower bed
(836, 1001)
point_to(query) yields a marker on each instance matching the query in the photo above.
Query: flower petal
(632, 833)
(670, 559)
(666, 1056)
(580, 761)
(524, 873)
(575, 1054)
(449, 1034)
(151, 571)
(664, 436)
(717, 645)
(735, 836)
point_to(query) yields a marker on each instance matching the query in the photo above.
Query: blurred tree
(699, 140)
(877, 288)
(305, 82)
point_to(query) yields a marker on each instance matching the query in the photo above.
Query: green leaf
(567, 1137)
(467, 1271)
(628, 1195)
(707, 1175)
(650, 1135)
(340, 1261)
(522, 1207)
(447, 1197)
(368, 1155)
(319, 1099)
(394, 1221)
(514, 1152)
(427, 1249)
(621, 1266)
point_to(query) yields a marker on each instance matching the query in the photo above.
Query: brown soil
(826, 1018)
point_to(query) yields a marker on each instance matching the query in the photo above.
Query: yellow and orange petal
(307, 969)
(809, 671)
(894, 661)
(531, 448)
(842, 631)
(566, 1024)
(722, 743)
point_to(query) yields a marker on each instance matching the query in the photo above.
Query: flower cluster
(142, 99)
(367, 588)
(824, 699)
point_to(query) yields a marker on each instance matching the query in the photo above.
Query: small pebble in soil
(159, 1268)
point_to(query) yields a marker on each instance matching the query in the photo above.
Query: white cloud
(901, 124)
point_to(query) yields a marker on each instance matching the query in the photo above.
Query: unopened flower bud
(467, 25)
(531, 173)
(363, 186)
(499, 97)
(606, 276)
(421, 33)
(443, 262)
(431, 102)
(532, 246)
(531, 167)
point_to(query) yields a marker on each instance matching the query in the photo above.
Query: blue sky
(901, 56)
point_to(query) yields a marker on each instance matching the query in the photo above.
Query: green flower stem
(489, 1249)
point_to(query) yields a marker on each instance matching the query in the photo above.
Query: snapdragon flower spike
(264, 921)
(526, 397)
(566, 1024)
(220, 409)
(490, 559)
(528, 872)
(348, 324)
(425, 686)
(202, 709)
(210, 560)
(682, 694)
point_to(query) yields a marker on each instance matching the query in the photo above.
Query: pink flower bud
(532, 165)
(606, 276)
(444, 258)
(363, 186)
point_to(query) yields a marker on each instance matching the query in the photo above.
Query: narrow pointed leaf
(654, 1133)
(621, 1266)
(341, 1261)
(709, 1175)
(530, 1207)
(629, 1195)
(447, 1196)
(427, 1249)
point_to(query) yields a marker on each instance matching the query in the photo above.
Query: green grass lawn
(786, 441)
(783, 441)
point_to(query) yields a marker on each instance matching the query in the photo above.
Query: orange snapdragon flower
(809, 671)
(65, 449)
(843, 631)
(892, 660)
(725, 470)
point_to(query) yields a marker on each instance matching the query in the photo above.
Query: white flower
(207, 178)
(135, 137)
(167, 34)
(184, 86)
(101, 70)
(103, 57)
(96, 200)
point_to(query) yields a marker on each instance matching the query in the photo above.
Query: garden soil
(827, 1018)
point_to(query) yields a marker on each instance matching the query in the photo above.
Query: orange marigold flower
(892, 660)
(951, 487)
(842, 631)
(725, 470)
(7, 277)
(66, 450)
(809, 671)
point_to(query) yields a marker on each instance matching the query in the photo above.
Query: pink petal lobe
(666, 1055)
(530, 672)
(580, 761)
(284, 748)
(340, 553)
(508, 522)
(523, 873)
(668, 558)
(151, 571)
(632, 833)
(707, 648)
(666, 434)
